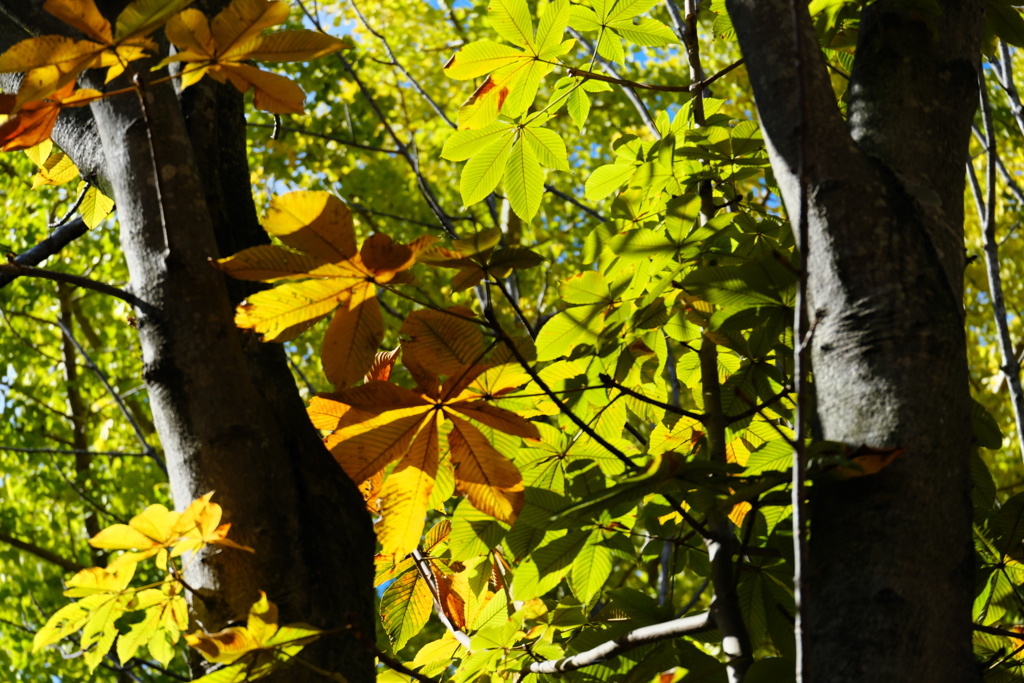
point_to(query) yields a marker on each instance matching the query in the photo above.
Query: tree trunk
(890, 582)
(226, 407)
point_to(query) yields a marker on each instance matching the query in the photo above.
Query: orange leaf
(245, 19)
(317, 223)
(382, 365)
(489, 479)
(498, 418)
(351, 342)
(406, 493)
(273, 93)
(443, 342)
(368, 447)
(83, 15)
(267, 263)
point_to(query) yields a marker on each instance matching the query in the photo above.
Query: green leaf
(481, 58)
(405, 607)
(511, 19)
(546, 567)
(548, 147)
(483, 172)
(606, 179)
(463, 144)
(473, 532)
(524, 181)
(985, 431)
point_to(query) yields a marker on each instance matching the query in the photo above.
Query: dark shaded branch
(756, 409)
(613, 648)
(998, 631)
(610, 383)
(58, 239)
(41, 553)
(13, 269)
(575, 202)
(74, 451)
(587, 429)
(695, 86)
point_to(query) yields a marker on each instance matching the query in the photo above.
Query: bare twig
(398, 65)
(987, 216)
(91, 364)
(74, 451)
(57, 240)
(324, 136)
(613, 648)
(800, 325)
(41, 553)
(610, 383)
(14, 269)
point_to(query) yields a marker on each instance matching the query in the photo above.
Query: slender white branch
(613, 648)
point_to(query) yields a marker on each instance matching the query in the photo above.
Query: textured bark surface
(890, 583)
(226, 407)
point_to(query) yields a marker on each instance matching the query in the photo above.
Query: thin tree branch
(721, 541)
(800, 351)
(70, 213)
(587, 429)
(14, 269)
(330, 138)
(756, 409)
(613, 648)
(695, 86)
(610, 383)
(575, 202)
(987, 216)
(394, 60)
(74, 451)
(1004, 73)
(58, 239)
(41, 553)
(998, 631)
(91, 364)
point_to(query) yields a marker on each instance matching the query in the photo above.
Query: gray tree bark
(226, 407)
(890, 582)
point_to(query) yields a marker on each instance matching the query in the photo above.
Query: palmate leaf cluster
(510, 533)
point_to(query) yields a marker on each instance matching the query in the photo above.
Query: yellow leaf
(443, 342)
(364, 449)
(285, 46)
(498, 418)
(56, 170)
(261, 632)
(481, 242)
(142, 17)
(267, 263)
(351, 341)
(317, 223)
(95, 206)
(406, 493)
(190, 33)
(98, 580)
(83, 15)
(490, 481)
(284, 312)
(40, 153)
(273, 93)
(245, 19)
